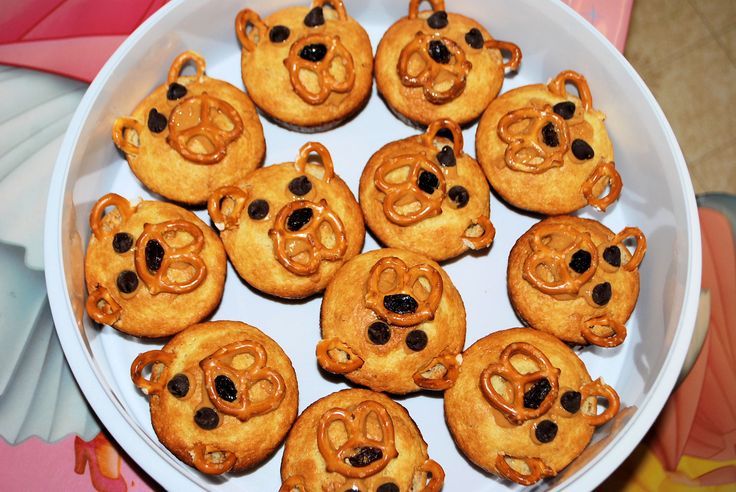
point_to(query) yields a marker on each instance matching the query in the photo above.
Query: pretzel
(226, 219)
(598, 389)
(120, 128)
(406, 278)
(178, 64)
(458, 68)
(326, 81)
(557, 262)
(515, 411)
(220, 363)
(514, 50)
(245, 18)
(448, 124)
(285, 241)
(537, 470)
(397, 192)
(174, 257)
(338, 5)
(557, 87)
(150, 387)
(102, 307)
(485, 239)
(355, 423)
(433, 469)
(97, 215)
(641, 246)
(294, 482)
(615, 338)
(526, 150)
(437, 5)
(200, 461)
(452, 371)
(329, 363)
(306, 150)
(604, 170)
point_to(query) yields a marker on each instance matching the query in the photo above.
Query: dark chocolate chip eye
(258, 209)
(545, 431)
(439, 52)
(416, 340)
(365, 456)
(379, 333)
(566, 109)
(154, 255)
(549, 135)
(299, 218)
(474, 38)
(122, 242)
(278, 34)
(388, 487)
(438, 20)
(582, 150)
(127, 281)
(315, 17)
(156, 121)
(175, 91)
(602, 293)
(459, 195)
(206, 418)
(446, 156)
(178, 385)
(535, 395)
(400, 303)
(612, 255)
(428, 182)
(570, 401)
(226, 388)
(300, 186)
(580, 261)
(313, 52)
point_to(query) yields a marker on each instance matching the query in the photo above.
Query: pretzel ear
(440, 374)
(337, 357)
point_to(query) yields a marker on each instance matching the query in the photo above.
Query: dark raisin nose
(580, 261)
(566, 109)
(156, 121)
(474, 38)
(313, 52)
(365, 456)
(154, 255)
(535, 395)
(549, 135)
(315, 17)
(226, 388)
(299, 218)
(175, 91)
(438, 20)
(278, 34)
(428, 182)
(400, 303)
(439, 52)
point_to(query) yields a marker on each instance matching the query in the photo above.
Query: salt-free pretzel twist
(205, 465)
(331, 364)
(513, 49)
(604, 170)
(220, 363)
(514, 410)
(245, 18)
(306, 150)
(178, 64)
(226, 218)
(641, 246)
(120, 127)
(457, 68)
(556, 262)
(444, 124)
(98, 225)
(526, 150)
(437, 5)
(288, 244)
(431, 467)
(174, 257)
(537, 470)
(557, 87)
(405, 280)
(294, 482)
(102, 307)
(598, 389)
(452, 371)
(485, 239)
(355, 423)
(338, 5)
(150, 387)
(326, 82)
(615, 338)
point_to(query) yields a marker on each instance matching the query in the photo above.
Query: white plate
(657, 197)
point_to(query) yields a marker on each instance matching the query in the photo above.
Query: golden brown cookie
(287, 228)
(309, 69)
(546, 150)
(434, 64)
(191, 135)
(392, 321)
(357, 440)
(524, 406)
(576, 279)
(153, 268)
(223, 395)
(415, 190)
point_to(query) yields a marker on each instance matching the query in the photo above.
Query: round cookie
(309, 69)
(223, 395)
(576, 279)
(415, 190)
(546, 150)
(524, 406)
(392, 321)
(287, 228)
(191, 135)
(434, 64)
(357, 440)
(151, 269)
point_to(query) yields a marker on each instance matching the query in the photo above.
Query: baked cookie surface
(392, 321)
(307, 68)
(191, 135)
(434, 64)
(287, 228)
(546, 150)
(151, 269)
(576, 279)
(415, 190)
(524, 406)
(357, 440)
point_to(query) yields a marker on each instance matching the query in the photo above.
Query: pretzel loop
(513, 49)
(178, 65)
(174, 258)
(641, 246)
(209, 467)
(485, 239)
(598, 389)
(557, 87)
(514, 410)
(293, 483)
(102, 307)
(537, 470)
(326, 82)
(123, 211)
(245, 18)
(452, 371)
(338, 5)
(301, 162)
(144, 360)
(437, 5)
(226, 218)
(457, 68)
(119, 128)
(604, 170)
(291, 246)
(617, 331)
(332, 364)
(433, 469)
(527, 150)
(406, 280)
(444, 123)
(355, 422)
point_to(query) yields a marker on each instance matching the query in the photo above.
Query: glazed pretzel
(432, 468)
(515, 411)
(338, 5)
(245, 18)
(120, 128)
(201, 463)
(150, 387)
(182, 133)
(514, 50)
(294, 482)
(406, 278)
(355, 423)
(174, 257)
(306, 150)
(485, 239)
(437, 5)
(178, 65)
(329, 363)
(641, 246)
(220, 363)
(308, 237)
(537, 470)
(526, 148)
(458, 68)
(615, 338)
(557, 87)
(447, 124)
(598, 389)
(102, 307)
(100, 227)
(604, 170)
(452, 371)
(557, 261)
(226, 219)
(326, 81)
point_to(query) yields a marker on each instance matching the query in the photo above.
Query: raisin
(315, 17)
(580, 261)
(535, 395)
(566, 109)
(122, 242)
(175, 91)
(582, 150)
(602, 293)
(258, 209)
(400, 303)
(365, 456)
(439, 52)
(416, 340)
(388, 487)
(379, 333)
(438, 20)
(446, 156)
(300, 186)
(278, 34)
(154, 255)
(612, 255)
(226, 388)
(459, 195)
(545, 431)
(428, 182)
(178, 385)
(127, 281)
(206, 418)
(474, 38)
(570, 401)
(156, 121)
(313, 52)
(549, 135)
(299, 218)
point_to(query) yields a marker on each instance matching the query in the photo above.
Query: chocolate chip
(474, 38)
(315, 17)
(379, 333)
(446, 156)
(612, 255)
(545, 431)
(566, 109)
(438, 20)
(535, 395)
(258, 209)
(127, 281)
(122, 242)
(602, 293)
(226, 388)
(439, 52)
(156, 121)
(400, 303)
(582, 150)
(300, 186)
(175, 91)
(154, 255)
(549, 135)
(388, 487)
(365, 456)
(313, 52)
(278, 34)
(459, 195)
(580, 261)
(299, 218)
(416, 340)
(178, 385)
(428, 182)
(206, 418)
(570, 401)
